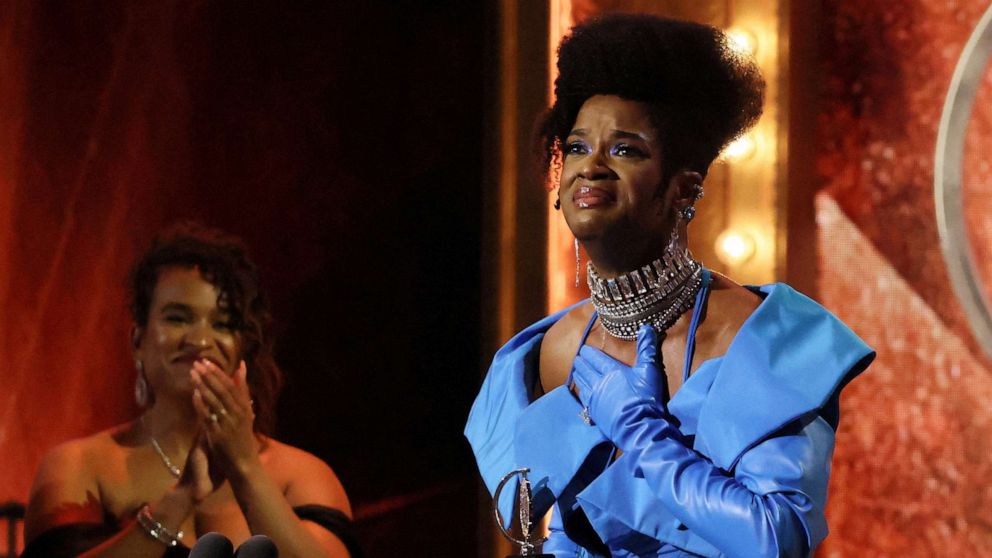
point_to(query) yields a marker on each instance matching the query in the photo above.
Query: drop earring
(673, 243)
(558, 203)
(690, 211)
(576, 262)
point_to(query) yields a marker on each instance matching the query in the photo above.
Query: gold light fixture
(743, 41)
(741, 149)
(734, 247)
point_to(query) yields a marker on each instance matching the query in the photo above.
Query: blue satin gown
(746, 473)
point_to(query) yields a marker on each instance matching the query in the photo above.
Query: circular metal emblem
(948, 174)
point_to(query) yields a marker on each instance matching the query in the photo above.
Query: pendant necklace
(173, 469)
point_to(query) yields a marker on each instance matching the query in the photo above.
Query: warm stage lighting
(734, 247)
(743, 41)
(740, 149)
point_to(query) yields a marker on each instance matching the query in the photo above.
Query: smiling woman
(198, 459)
(191, 263)
(186, 325)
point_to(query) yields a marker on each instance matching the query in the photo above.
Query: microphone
(258, 546)
(212, 545)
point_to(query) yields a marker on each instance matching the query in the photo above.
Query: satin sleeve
(741, 465)
(771, 504)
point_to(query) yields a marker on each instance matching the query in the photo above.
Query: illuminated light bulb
(742, 41)
(740, 149)
(734, 247)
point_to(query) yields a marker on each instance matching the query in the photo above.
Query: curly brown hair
(701, 94)
(223, 261)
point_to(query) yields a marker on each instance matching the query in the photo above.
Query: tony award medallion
(524, 509)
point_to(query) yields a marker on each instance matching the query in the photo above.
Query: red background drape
(913, 450)
(342, 141)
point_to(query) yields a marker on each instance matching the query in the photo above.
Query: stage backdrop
(341, 140)
(914, 450)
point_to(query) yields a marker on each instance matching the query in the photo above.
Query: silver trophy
(527, 546)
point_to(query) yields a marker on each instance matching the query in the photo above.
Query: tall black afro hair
(701, 94)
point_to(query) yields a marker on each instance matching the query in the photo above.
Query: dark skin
(234, 481)
(616, 205)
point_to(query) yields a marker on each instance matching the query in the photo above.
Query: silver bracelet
(156, 530)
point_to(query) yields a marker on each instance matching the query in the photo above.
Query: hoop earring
(142, 394)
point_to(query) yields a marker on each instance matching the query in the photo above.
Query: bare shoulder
(305, 478)
(66, 485)
(733, 299)
(560, 344)
(728, 307)
(80, 458)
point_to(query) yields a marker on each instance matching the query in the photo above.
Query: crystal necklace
(173, 469)
(656, 294)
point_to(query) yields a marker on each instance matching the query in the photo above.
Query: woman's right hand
(200, 478)
(616, 395)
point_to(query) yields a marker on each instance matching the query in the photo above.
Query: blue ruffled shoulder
(789, 358)
(502, 398)
(786, 365)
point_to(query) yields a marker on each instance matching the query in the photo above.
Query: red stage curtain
(343, 143)
(92, 126)
(913, 450)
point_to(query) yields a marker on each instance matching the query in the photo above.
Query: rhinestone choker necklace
(657, 294)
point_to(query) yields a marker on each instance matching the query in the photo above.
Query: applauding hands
(227, 444)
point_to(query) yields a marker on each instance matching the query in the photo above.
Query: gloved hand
(618, 396)
(763, 509)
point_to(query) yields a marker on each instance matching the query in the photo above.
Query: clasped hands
(226, 444)
(616, 396)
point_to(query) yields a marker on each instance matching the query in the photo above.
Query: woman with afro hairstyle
(200, 457)
(674, 413)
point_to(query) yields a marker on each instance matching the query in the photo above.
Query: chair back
(11, 515)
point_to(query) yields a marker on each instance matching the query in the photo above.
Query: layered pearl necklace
(656, 294)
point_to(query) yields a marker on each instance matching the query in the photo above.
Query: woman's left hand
(225, 409)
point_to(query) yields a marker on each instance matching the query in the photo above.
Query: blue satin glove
(764, 508)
